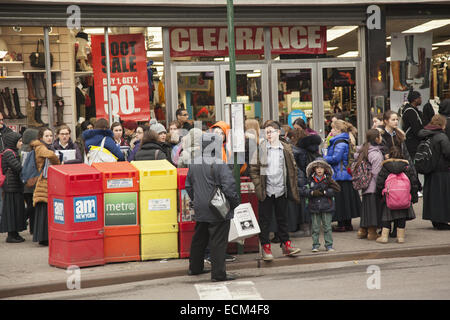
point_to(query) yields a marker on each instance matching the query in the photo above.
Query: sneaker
(315, 249)
(230, 258)
(330, 249)
(208, 260)
(419, 194)
(288, 250)
(267, 253)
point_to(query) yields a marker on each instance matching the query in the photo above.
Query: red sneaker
(267, 253)
(288, 250)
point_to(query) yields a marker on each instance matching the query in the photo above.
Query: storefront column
(48, 73)
(363, 109)
(170, 105)
(108, 74)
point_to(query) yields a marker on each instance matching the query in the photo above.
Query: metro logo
(85, 209)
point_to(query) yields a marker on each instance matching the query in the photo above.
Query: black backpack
(427, 156)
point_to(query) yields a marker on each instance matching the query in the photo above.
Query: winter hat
(444, 108)
(158, 127)
(130, 125)
(29, 135)
(11, 139)
(82, 35)
(413, 95)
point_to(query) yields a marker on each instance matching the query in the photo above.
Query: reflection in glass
(196, 95)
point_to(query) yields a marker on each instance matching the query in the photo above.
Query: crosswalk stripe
(239, 290)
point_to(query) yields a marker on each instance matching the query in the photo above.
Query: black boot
(7, 98)
(2, 108)
(37, 112)
(426, 78)
(12, 238)
(18, 237)
(17, 104)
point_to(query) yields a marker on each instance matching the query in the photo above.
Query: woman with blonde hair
(348, 203)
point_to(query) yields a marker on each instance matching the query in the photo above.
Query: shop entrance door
(197, 89)
(252, 87)
(315, 91)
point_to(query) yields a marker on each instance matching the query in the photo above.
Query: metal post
(48, 73)
(233, 92)
(108, 74)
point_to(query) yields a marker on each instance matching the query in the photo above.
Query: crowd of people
(307, 181)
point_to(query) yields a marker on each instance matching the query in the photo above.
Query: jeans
(322, 218)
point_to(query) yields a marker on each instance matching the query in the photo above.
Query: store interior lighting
(349, 54)
(427, 26)
(96, 30)
(338, 31)
(332, 48)
(253, 75)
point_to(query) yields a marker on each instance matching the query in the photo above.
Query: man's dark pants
(216, 235)
(266, 209)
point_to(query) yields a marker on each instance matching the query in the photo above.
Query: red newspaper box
(75, 216)
(248, 194)
(120, 182)
(185, 215)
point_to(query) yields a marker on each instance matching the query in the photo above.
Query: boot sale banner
(410, 66)
(129, 81)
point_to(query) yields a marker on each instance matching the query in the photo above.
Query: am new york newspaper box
(244, 223)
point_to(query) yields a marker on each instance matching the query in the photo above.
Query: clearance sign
(129, 84)
(212, 41)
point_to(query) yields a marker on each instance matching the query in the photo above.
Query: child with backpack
(365, 169)
(339, 156)
(398, 186)
(13, 218)
(320, 190)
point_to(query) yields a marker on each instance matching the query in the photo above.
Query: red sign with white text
(129, 80)
(213, 41)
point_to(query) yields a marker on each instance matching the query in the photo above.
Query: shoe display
(288, 250)
(267, 252)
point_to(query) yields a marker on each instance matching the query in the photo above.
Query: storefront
(292, 61)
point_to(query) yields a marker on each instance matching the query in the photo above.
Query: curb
(127, 277)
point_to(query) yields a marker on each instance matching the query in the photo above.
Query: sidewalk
(24, 266)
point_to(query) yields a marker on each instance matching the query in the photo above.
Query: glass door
(338, 94)
(252, 88)
(294, 87)
(197, 89)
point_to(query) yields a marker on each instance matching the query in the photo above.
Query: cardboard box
(244, 224)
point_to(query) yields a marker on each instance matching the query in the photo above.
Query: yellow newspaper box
(158, 209)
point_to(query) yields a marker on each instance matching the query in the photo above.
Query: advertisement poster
(129, 81)
(410, 67)
(121, 209)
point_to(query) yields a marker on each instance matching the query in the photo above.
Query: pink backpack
(397, 189)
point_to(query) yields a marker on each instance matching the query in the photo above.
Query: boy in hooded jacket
(320, 190)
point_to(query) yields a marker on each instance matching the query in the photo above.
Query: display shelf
(38, 70)
(34, 34)
(10, 62)
(12, 78)
(83, 73)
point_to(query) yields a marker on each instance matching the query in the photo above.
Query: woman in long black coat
(151, 148)
(436, 206)
(13, 217)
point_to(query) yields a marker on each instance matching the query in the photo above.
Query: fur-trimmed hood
(319, 162)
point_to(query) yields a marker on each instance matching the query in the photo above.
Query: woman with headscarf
(13, 216)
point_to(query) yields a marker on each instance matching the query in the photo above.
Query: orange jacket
(225, 128)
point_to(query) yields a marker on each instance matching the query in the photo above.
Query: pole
(48, 73)
(108, 74)
(233, 93)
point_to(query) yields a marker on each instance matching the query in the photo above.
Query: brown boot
(395, 68)
(362, 233)
(2, 108)
(31, 107)
(421, 69)
(30, 88)
(372, 233)
(59, 112)
(384, 236)
(401, 235)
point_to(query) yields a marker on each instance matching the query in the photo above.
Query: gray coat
(200, 185)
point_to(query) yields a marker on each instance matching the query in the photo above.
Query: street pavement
(24, 267)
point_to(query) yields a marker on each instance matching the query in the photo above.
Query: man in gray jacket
(203, 175)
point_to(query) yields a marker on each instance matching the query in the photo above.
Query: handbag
(37, 58)
(100, 154)
(218, 203)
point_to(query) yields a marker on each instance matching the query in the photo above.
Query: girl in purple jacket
(370, 209)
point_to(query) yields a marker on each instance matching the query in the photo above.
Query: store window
(196, 95)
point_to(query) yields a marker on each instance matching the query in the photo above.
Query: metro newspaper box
(186, 221)
(248, 195)
(158, 209)
(75, 216)
(244, 223)
(120, 182)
